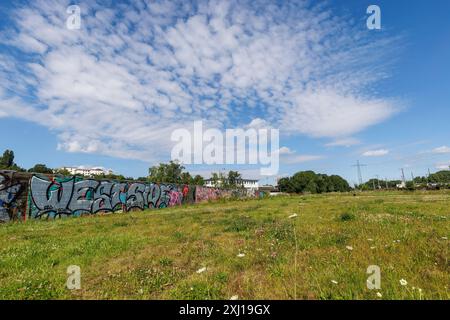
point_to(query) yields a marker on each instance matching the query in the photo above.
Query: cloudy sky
(111, 93)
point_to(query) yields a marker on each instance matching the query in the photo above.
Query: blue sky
(111, 93)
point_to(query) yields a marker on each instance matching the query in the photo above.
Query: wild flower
(201, 270)
(403, 282)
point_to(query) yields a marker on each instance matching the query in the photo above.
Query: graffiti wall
(24, 196)
(9, 192)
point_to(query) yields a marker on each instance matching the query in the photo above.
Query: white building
(246, 183)
(87, 171)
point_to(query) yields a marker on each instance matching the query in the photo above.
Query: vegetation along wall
(35, 196)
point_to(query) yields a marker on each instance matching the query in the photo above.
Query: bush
(347, 216)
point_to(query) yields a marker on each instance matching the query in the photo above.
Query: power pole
(358, 166)
(387, 187)
(403, 176)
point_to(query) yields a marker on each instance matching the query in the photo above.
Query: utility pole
(378, 181)
(387, 187)
(403, 176)
(358, 166)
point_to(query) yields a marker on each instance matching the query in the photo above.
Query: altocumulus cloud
(376, 153)
(134, 72)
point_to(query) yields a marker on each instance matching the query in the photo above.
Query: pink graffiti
(175, 198)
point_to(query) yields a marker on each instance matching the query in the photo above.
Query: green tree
(198, 180)
(232, 179)
(309, 181)
(166, 172)
(63, 172)
(40, 168)
(7, 160)
(216, 179)
(186, 178)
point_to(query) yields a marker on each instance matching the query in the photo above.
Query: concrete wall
(35, 196)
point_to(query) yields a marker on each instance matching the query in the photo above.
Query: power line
(403, 176)
(358, 166)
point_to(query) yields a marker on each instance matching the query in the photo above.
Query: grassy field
(250, 249)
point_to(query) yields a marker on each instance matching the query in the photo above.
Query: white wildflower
(241, 255)
(334, 282)
(201, 270)
(349, 248)
(234, 297)
(379, 294)
(403, 282)
(292, 216)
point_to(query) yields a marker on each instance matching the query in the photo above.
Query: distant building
(246, 183)
(87, 171)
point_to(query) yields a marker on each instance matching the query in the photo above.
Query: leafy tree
(216, 179)
(198, 180)
(232, 179)
(186, 178)
(440, 177)
(63, 172)
(7, 160)
(309, 181)
(286, 185)
(166, 172)
(40, 168)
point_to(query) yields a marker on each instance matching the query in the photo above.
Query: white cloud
(344, 142)
(301, 158)
(443, 149)
(134, 73)
(376, 153)
(285, 150)
(443, 165)
(289, 156)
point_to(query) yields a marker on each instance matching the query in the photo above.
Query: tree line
(311, 182)
(171, 172)
(440, 178)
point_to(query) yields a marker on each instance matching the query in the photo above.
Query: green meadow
(285, 247)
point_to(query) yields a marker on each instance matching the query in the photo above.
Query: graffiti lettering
(7, 197)
(55, 197)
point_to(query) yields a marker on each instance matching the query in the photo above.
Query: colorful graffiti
(50, 196)
(206, 194)
(8, 193)
(59, 197)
